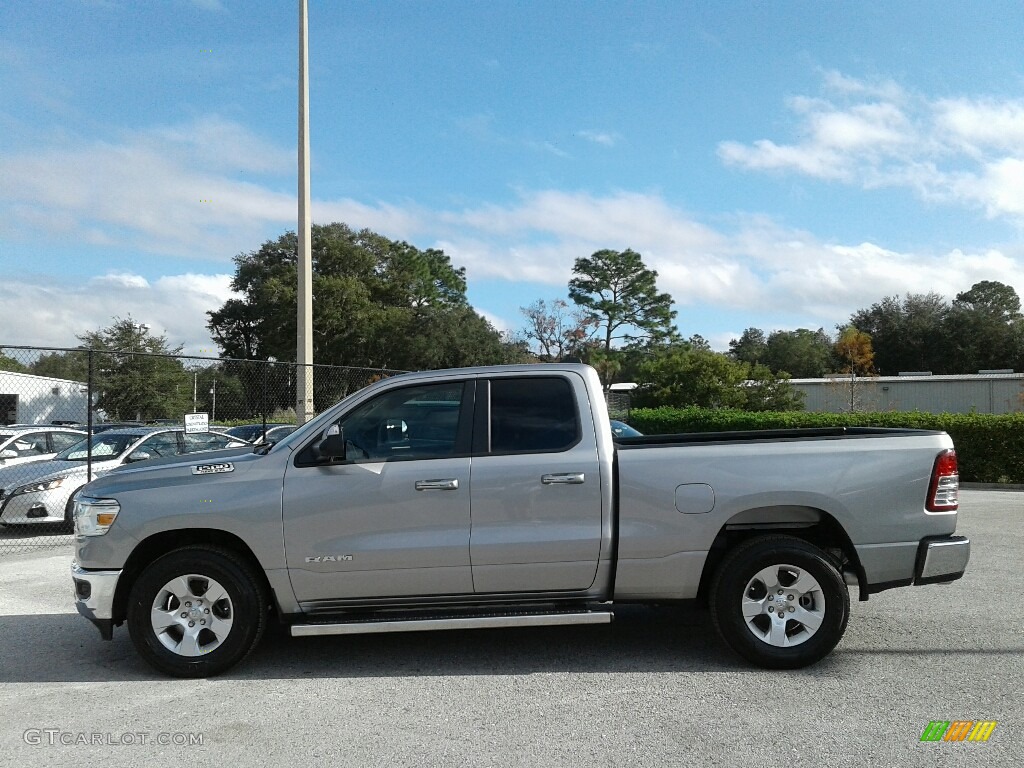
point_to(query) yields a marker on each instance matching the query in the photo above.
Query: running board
(452, 622)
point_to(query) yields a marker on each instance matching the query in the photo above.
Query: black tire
(760, 637)
(242, 609)
(68, 525)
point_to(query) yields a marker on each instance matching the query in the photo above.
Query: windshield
(105, 446)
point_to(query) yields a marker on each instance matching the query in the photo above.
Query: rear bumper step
(490, 621)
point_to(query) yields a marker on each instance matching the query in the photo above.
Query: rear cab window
(531, 414)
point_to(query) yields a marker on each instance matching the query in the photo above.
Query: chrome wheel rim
(192, 615)
(783, 605)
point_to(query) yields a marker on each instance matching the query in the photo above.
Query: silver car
(44, 492)
(22, 444)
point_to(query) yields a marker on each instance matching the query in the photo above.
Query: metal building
(985, 392)
(27, 399)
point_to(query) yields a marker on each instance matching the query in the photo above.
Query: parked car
(106, 426)
(20, 445)
(622, 429)
(254, 432)
(497, 497)
(43, 492)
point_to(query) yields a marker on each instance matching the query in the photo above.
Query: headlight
(93, 517)
(44, 485)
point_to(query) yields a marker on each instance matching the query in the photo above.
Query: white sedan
(21, 444)
(43, 492)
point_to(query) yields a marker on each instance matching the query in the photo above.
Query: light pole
(266, 373)
(304, 297)
(213, 407)
(142, 328)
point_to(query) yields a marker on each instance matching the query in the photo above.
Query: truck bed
(765, 436)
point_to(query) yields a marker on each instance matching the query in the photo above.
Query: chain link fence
(133, 405)
(619, 404)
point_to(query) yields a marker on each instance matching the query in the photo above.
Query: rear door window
(532, 415)
(161, 445)
(207, 441)
(62, 440)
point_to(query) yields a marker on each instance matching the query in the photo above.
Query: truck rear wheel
(196, 611)
(779, 602)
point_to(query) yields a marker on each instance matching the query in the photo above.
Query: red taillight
(943, 493)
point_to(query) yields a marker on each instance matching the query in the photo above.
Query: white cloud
(837, 82)
(977, 125)
(54, 313)
(175, 190)
(747, 264)
(499, 323)
(863, 127)
(215, 143)
(754, 264)
(956, 151)
(604, 138)
(765, 155)
(149, 193)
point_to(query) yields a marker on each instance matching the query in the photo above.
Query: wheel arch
(159, 544)
(812, 524)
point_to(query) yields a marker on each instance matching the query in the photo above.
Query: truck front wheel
(196, 611)
(779, 602)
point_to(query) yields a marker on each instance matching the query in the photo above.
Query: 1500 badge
(212, 469)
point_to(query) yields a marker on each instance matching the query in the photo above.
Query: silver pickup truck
(497, 497)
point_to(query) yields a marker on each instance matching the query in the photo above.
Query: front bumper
(35, 507)
(942, 559)
(94, 596)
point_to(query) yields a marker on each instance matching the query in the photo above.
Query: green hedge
(990, 448)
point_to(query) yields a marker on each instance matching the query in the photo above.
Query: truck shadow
(65, 648)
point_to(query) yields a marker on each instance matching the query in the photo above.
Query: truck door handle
(437, 485)
(567, 478)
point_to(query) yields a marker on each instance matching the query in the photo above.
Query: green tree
(62, 365)
(803, 354)
(683, 375)
(995, 300)
(750, 347)
(907, 334)
(766, 391)
(983, 329)
(691, 374)
(8, 363)
(133, 375)
(377, 303)
(621, 295)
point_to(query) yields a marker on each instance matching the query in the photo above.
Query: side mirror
(138, 456)
(332, 446)
(8, 454)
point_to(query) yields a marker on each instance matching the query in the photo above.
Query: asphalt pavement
(655, 688)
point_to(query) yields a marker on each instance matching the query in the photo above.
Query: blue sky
(780, 164)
